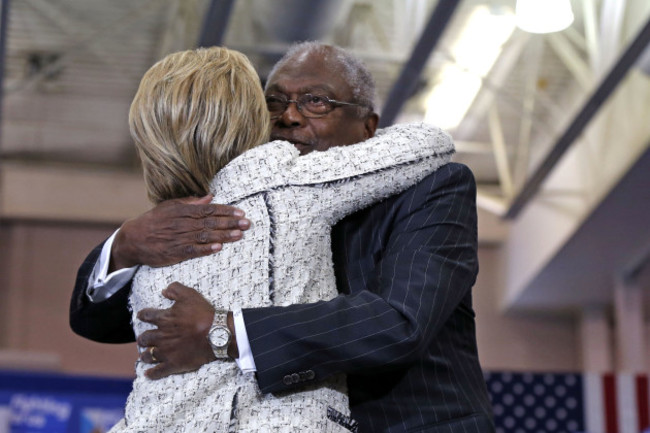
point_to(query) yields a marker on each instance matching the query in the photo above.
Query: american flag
(569, 402)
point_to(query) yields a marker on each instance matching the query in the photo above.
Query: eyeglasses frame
(335, 104)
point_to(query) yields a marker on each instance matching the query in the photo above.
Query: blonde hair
(194, 112)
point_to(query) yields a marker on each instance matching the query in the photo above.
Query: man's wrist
(119, 258)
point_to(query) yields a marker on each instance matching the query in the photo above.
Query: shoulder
(449, 190)
(256, 170)
(451, 175)
(268, 154)
(271, 154)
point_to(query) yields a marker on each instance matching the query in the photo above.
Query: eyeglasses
(311, 106)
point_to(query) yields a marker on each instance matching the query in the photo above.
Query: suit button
(295, 378)
(310, 374)
(287, 380)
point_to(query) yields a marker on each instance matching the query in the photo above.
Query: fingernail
(243, 224)
(235, 233)
(239, 213)
(216, 247)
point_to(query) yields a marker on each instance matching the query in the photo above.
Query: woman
(198, 120)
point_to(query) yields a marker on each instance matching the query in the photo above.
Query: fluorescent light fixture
(544, 16)
(449, 100)
(475, 51)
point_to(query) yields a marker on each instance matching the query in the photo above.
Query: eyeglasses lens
(308, 105)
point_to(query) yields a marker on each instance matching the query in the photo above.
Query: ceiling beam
(215, 23)
(532, 67)
(571, 59)
(582, 119)
(500, 152)
(407, 82)
(83, 42)
(518, 44)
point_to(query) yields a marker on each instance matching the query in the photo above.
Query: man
(403, 327)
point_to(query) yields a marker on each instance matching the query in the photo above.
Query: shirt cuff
(102, 285)
(245, 362)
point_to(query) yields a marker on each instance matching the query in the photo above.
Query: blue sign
(39, 413)
(97, 419)
(56, 403)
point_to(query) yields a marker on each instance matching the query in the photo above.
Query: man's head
(322, 71)
(193, 113)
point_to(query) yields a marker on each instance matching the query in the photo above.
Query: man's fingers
(209, 230)
(206, 199)
(221, 223)
(174, 291)
(151, 315)
(178, 292)
(220, 228)
(218, 236)
(222, 210)
(150, 355)
(158, 372)
(196, 210)
(214, 229)
(149, 338)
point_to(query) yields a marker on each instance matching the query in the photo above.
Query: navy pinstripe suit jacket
(402, 329)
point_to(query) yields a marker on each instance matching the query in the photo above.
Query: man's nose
(292, 115)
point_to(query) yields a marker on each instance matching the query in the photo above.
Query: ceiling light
(544, 16)
(474, 52)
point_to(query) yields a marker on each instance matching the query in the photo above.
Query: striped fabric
(616, 403)
(404, 329)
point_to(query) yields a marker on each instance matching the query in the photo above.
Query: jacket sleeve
(345, 179)
(108, 321)
(425, 272)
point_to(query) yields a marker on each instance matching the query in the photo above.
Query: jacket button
(310, 375)
(287, 380)
(295, 378)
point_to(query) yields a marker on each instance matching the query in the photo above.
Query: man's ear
(370, 124)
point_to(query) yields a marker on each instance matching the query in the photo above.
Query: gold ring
(153, 357)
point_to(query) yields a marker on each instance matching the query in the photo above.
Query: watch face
(220, 337)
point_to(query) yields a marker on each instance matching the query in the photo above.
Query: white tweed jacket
(284, 258)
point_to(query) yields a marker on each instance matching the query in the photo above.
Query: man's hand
(180, 343)
(176, 230)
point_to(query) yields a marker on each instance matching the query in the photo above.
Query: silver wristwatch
(219, 335)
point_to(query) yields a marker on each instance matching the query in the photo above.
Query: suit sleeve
(108, 321)
(425, 273)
